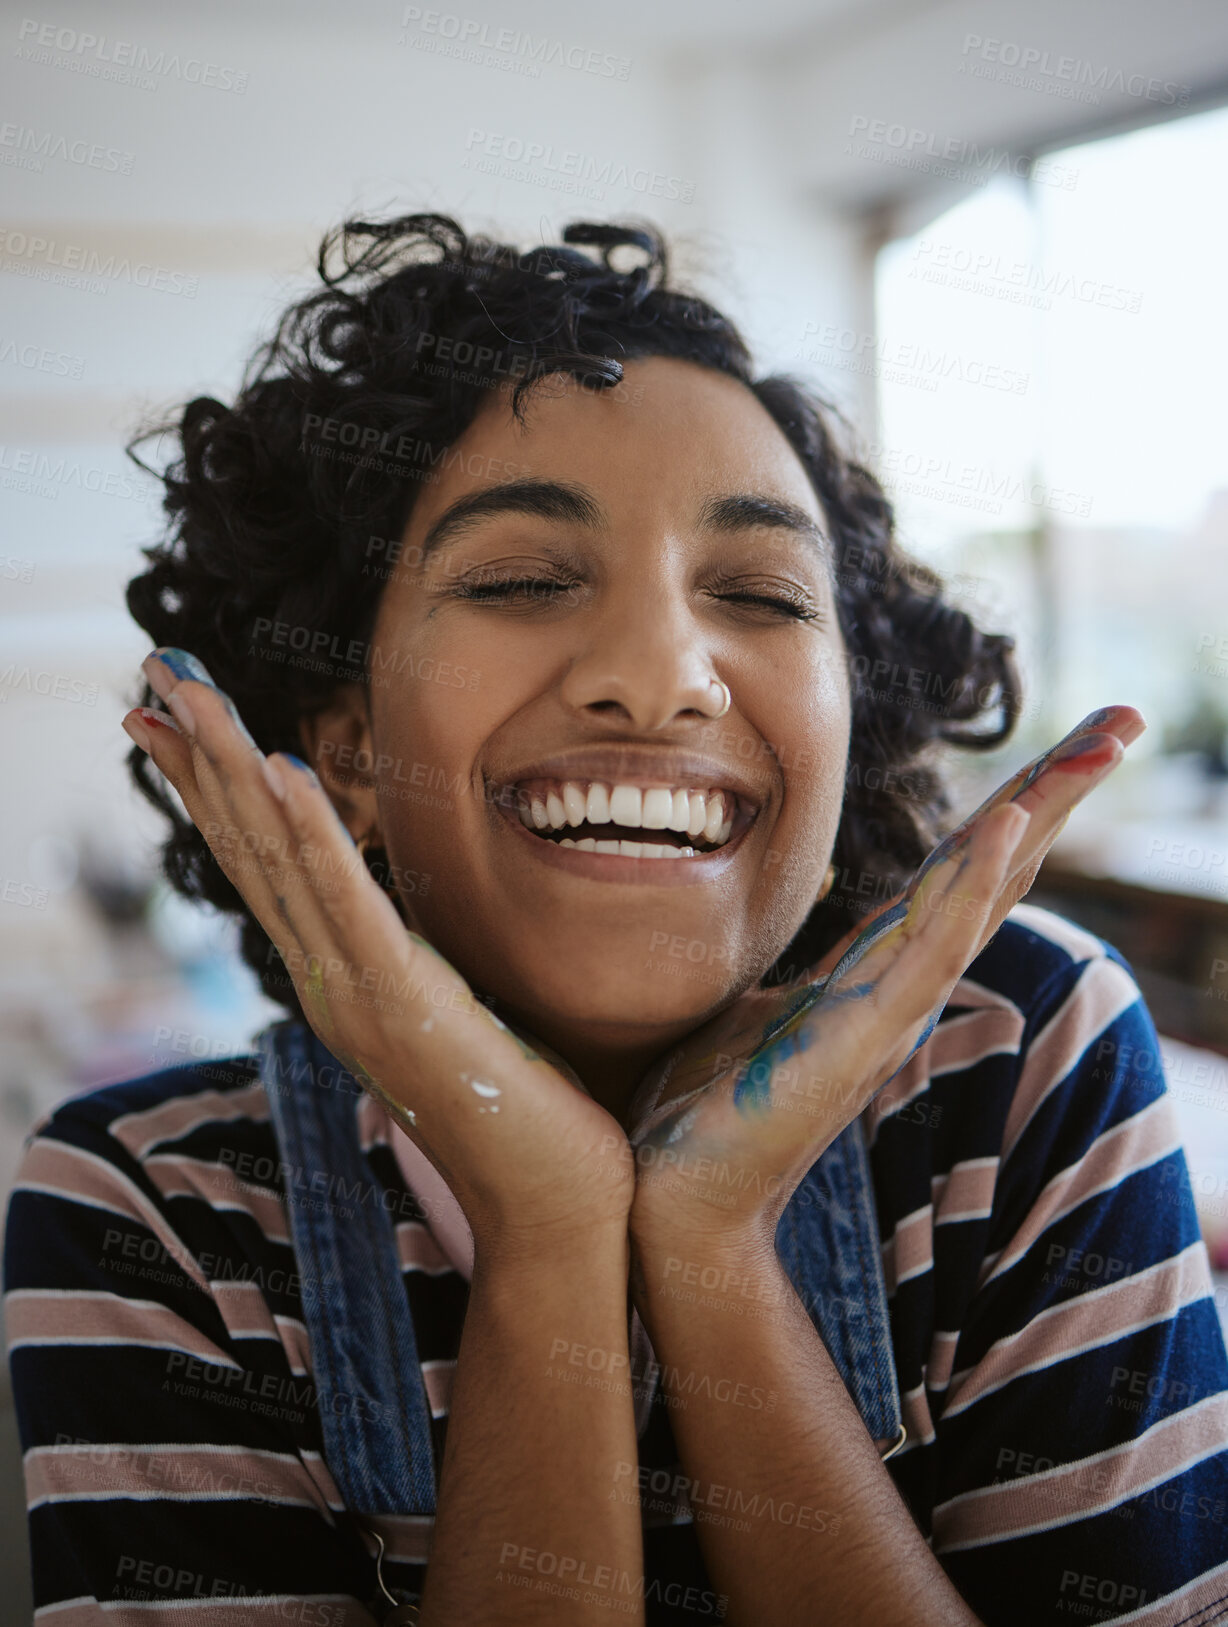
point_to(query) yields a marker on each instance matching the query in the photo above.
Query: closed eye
(521, 587)
(787, 607)
(540, 586)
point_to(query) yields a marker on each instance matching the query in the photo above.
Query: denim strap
(828, 1242)
(374, 1412)
(373, 1406)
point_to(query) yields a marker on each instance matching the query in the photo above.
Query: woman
(592, 711)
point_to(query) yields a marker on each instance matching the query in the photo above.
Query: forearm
(798, 1519)
(527, 1530)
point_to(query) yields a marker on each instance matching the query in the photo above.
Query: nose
(646, 665)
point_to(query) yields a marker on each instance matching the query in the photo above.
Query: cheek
(815, 753)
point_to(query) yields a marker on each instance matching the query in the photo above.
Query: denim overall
(359, 1324)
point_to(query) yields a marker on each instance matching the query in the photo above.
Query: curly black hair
(272, 505)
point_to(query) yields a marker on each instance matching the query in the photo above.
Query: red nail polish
(1087, 755)
(157, 720)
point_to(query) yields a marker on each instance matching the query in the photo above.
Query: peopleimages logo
(29, 255)
(473, 36)
(521, 159)
(1070, 75)
(122, 60)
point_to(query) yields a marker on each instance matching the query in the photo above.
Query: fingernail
(299, 763)
(182, 711)
(1097, 719)
(1076, 747)
(158, 720)
(1087, 755)
(136, 730)
(275, 779)
(183, 665)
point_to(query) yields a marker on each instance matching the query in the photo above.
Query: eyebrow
(559, 500)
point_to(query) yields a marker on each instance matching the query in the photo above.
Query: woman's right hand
(530, 1157)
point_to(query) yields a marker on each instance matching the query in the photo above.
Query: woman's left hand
(727, 1125)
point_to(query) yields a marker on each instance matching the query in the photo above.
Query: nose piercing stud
(725, 690)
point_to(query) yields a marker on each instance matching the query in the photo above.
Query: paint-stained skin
(184, 665)
(486, 1091)
(1082, 751)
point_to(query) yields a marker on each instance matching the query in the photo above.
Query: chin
(654, 990)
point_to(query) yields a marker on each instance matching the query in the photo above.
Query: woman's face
(601, 673)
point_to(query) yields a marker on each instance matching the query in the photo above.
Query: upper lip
(638, 765)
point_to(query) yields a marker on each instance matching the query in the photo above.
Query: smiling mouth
(668, 822)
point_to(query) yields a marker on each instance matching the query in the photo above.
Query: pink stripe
(955, 1045)
(72, 1613)
(917, 1419)
(417, 1250)
(246, 1314)
(970, 994)
(1189, 1606)
(1104, 990)
(1119, 1152)
(244, 1308)
(407, 1537)
(942, 1359)
(296, 1344)
(49, 1316)
(910, 1249)
(337, 1609)
(85, 1177)
(181, 1473)
(321, 1477)
(1076, 1491)
(171, 1121)
(1087, 1321)
(221, 1188)
(966, 1193)
(1056, 929)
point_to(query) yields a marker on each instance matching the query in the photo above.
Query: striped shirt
(1059, 1355)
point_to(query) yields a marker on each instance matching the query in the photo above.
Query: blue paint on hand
(753, 1092)
(872, 933)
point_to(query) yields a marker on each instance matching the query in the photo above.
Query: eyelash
(486, 591)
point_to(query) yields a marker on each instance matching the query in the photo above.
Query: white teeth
(626, 805)
(657, 809)
(716, 817)
(630, 850)
(598, 805)
(575, 803)
(569, 803)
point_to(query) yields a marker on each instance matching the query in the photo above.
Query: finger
(937, 891)
(161, 738)
(941, 932)
(1121, 723)
(861, 1031)
(237, 809)
(176, 677)
(363, 931)
(1049, 791)
(1082, 760)
(1069, 777)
